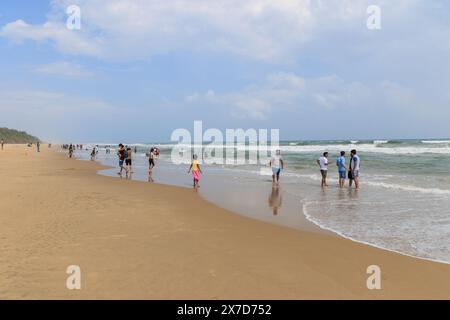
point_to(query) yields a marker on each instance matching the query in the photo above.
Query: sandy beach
(135, 240)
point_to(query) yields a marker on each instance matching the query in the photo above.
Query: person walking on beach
(2, 143)
(323, 164)
(151, 160)
(354, 169)
(93, 154)
(122, 154)
(71, 147)
(38, 146)
(342, 169)
(277, 164)
(196, 171)
(128, 161)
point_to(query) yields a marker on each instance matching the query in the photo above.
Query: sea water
(403, 204)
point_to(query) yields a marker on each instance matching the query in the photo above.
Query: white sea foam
(408, 188)
(436, 141)
(380, 141)
(373, 148)
(310, 218)
(369, 181)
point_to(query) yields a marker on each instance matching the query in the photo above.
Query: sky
(137, 70)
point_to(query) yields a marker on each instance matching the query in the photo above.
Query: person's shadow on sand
(275, 200)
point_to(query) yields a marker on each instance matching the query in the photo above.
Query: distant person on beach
(342, 169)
(38, 146)
(93, 154)
(71, 147)
(354, 169)
(196, 171)
(277, 164)
(323, 164)
(2, 143)
(151, 160)
(135, 149)
(122, 155)
(128, 161)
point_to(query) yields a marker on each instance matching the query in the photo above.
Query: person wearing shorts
(122, 155)
(354, 168)
(323, 164)
(151, 159)
(128, 160)
(342, 169)
(277, 165)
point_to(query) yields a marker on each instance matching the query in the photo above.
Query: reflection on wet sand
(275, 200)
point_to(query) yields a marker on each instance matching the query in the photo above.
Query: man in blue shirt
(342, 169)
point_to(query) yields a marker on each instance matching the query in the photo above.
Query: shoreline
(144, 241)
(311, 224)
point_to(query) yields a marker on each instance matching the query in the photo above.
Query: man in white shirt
(354, 168)
(323, 164)
(277, 165)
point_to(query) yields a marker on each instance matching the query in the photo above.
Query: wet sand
(136, 240)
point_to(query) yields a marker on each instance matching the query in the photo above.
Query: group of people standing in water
(351, 171)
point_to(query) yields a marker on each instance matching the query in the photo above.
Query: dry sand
(135, 240)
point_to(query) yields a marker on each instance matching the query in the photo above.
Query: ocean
(403, 204)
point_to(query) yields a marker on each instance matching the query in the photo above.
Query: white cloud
(47, 114)
(65, 69)
(64, 40)
(32, 102)
(285, 92)
(136, 29)
(209, 96)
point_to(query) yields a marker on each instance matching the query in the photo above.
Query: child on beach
(196, 171)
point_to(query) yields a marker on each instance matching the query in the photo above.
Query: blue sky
(139, 69)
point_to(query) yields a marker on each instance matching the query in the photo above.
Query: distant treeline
(15, 136)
